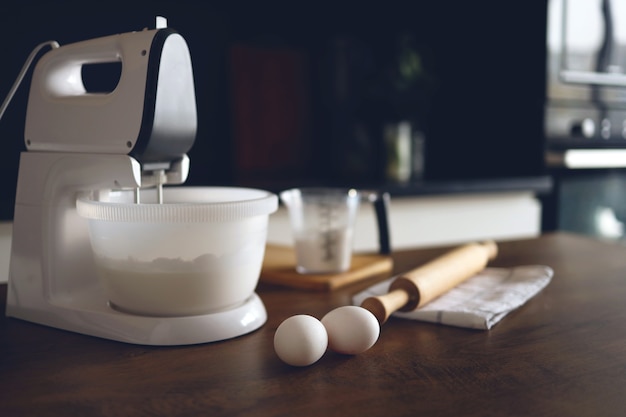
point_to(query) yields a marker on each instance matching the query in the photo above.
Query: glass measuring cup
(322, 222)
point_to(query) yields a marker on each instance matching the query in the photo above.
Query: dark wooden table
(562, 354)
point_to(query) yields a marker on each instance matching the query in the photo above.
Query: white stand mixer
(135, 136)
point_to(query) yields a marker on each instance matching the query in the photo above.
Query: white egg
(351, 329)
(300, 340)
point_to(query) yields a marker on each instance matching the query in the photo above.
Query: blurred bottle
(404, 152)
(398, 152)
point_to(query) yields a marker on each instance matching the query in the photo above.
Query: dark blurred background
(301, 92)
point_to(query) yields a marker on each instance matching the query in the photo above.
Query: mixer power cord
(20, 77)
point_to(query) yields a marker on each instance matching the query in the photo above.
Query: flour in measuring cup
(324, 253)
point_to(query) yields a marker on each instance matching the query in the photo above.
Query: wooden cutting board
(279, 267)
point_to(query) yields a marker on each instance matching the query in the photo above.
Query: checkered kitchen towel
(479, 302)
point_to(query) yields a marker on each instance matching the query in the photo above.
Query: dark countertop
(560, 354)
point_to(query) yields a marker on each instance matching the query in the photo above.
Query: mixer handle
(62, 75)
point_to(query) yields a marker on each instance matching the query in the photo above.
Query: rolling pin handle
(383, 306)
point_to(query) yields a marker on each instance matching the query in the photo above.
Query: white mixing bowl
(199, 252)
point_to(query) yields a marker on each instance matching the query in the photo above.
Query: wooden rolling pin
(421, 285)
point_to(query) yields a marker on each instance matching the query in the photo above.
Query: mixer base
(89, 313)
